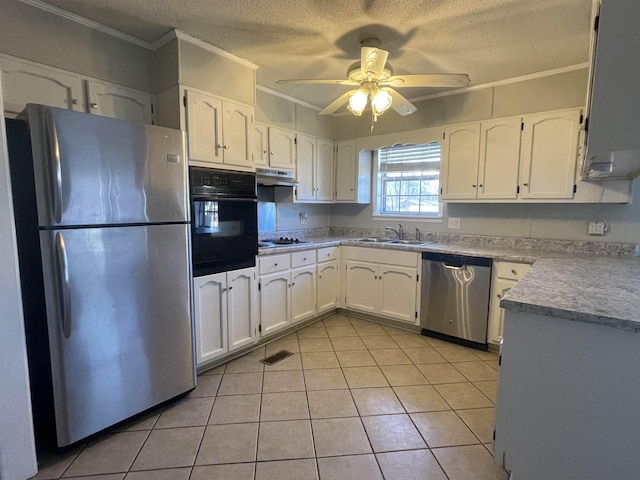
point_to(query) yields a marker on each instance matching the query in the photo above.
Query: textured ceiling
(490, 40)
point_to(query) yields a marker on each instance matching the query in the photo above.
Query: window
(408, 180)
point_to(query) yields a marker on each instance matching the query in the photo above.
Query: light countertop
(584, 288)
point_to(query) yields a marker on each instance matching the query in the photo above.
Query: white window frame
(437, 217)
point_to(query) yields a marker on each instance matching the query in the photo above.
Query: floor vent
(276, 357)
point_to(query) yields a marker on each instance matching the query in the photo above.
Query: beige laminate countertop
(584, 288)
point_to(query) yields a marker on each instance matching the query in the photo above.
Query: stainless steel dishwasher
(455, 298)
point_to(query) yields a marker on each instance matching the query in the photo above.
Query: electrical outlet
(597, 228)
(454, 222)
(303, 217)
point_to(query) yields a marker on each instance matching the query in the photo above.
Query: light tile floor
(357, 401)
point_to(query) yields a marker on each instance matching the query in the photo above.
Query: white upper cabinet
(499, 158)
(549, 154)
(119, 102)
(27, 82)
(24, 82)
(260, 142)
(282, 148)
(314, 169)
(460, 162)
(219, 131)
(352, 173)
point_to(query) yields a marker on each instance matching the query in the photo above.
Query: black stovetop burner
(284, 241)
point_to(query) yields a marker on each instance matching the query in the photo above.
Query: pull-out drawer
(300, 259)
(327, 253)
(273, 263)
(511, 270)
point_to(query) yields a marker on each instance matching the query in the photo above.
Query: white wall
(17, 450)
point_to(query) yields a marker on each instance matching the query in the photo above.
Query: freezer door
(119, 322)
(94, 170)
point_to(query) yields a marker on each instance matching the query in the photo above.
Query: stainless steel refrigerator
(103, 230)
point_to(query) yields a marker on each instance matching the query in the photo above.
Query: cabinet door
(306, 150)
(260, 142)
(324, 170)
(460, 162)
(549, 154)
(328, 285)
(303, 293)
(362, 286)
(398, 292)
(346, 176)
(236, 134)
(282, 148)
(210, 316)
(118, 102)
(242, 308)
(499, 158)
(499, 289)
(204, 127)
(274, 302)
(24, 83)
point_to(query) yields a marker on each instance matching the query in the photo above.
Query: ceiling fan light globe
(358, 102)
(380, 101)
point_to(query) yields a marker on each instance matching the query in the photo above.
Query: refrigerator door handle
(54, 150)
(63, 271)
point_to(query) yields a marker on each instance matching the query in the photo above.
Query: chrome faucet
(399, 232)
(418, 234)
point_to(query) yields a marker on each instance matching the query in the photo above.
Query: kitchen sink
(407, 242)
(374, 240)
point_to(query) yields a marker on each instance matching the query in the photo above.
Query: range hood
(613, 124)
(272, 176)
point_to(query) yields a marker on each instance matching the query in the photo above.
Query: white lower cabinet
(224, 313)
(382, 282)
(275, 295)
(328, 281)
(303, 293)
(505, 276)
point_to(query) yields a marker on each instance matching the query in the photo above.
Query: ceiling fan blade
(428, 80)
(337, 103)
(372, 61)
(327, 81)
(401, 104)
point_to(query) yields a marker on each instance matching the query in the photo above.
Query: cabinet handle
(226, 147)
(230, 288)
(75, 101)
(480, 186)
(219, 145)
(514, 272)
(224, 290)
(319, 276)
(264, 151)
(272, 153)
(93, 105)
(499, 296)
(304, 259)
(525, 184)
(275, 264)
(473, 186)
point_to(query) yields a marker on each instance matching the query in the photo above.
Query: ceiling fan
(375, 81)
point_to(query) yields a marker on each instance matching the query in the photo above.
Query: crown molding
(179, 34)
(88, 23)
(497, 83)
(287, 97)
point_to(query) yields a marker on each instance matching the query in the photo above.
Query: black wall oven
(224, 220)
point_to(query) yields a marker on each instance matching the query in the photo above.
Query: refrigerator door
(119, 322)
(94, 170)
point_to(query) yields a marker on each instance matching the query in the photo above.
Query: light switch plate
(454, 222)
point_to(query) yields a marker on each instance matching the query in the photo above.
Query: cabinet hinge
(494, 435)
(500, 360)
(416, 314)
(295, 141)
(152, 109)
(518, 189)
(259, 286)
(260, 328)
(575, 188)
(581, 118)
(596, 22)
(443, 135)
(586, 125)
(418, 278)
(440, 190)
(522, 126)
(184, 100)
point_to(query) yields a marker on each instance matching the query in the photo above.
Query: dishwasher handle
(452, 260)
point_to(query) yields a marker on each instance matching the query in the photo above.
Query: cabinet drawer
(273, 263)
(510, 270)
(327, 253)
(381, 255)
(300, 259)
